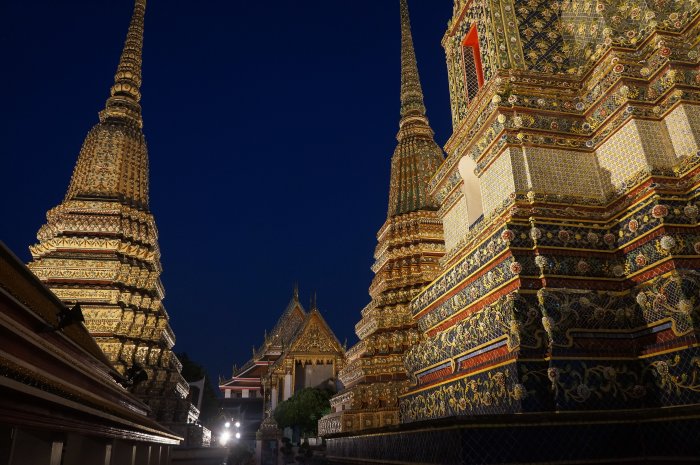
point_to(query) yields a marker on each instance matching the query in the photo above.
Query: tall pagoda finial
(411, 91)
(412, 164)
(125, 94)
(296, 291)
(313, 301)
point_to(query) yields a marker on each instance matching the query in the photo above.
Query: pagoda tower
(410, 244)
(99, 247)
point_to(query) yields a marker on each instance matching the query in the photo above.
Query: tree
(304, 409)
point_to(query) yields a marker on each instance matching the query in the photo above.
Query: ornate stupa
(99, 247)
(564, 324)
(410, 244)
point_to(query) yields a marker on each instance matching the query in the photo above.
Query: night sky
(270, 129)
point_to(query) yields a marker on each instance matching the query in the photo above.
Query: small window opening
(473, 72)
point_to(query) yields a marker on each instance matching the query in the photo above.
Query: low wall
(661, 436)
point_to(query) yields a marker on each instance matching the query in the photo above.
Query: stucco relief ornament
(535, 233)
(697, 248)
(659, 211)
(507, 235)
(609, 239)
(633, 225)
(639, 391)
(642, 299)
(685, 306)
(519, 392)
(583, 267)
(583, 392)
(667, 242)
(542, 262)
(618, 271)
(593, 238)
(640, 260)
(516, 268)
(564, 235)
(691, 211)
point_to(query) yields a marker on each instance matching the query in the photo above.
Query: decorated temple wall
(683, 124)
(500, 180)
(634, 147)
(564, 172)
(456, 223)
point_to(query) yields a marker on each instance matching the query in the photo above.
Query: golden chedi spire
(99, 247)
(409, 246)
(411, 90)
(125, 93)
(417, 156)
(113, 162)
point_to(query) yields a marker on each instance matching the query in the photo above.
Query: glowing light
(238, 435)
(227, 424)
(238, 424)
(223, 439)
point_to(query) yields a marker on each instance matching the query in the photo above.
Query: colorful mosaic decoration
(578, 290)
(583, 271)
(99, 247)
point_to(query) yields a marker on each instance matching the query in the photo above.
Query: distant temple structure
(301, 351)
(99, 246)
(410, 244)
(562, 322)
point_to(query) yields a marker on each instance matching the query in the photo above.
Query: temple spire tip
(125, 93)
(411, 90)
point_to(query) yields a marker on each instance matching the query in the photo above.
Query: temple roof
(59, 379)
(295, 331)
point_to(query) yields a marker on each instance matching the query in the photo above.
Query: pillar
(80, 450)
(123, 453)
(155, 454)
(30, 447)
(143, 454)
(273, 398)
(165, 455)
(6, 433)
(287, 386)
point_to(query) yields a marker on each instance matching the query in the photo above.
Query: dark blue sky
(270, 128)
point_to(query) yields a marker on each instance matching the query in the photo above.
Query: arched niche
(471, 188)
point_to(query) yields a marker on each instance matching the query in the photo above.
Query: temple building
(562, 322)
(300, 351)
(409, 246)
(99, 247)
(60, 398)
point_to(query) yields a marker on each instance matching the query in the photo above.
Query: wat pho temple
(537, 288)
(536, 291)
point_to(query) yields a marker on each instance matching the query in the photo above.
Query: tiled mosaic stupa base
(651, 437)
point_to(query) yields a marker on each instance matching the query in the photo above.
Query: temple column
(165, 455)
(143, 454)
(273, 398)
(123, 453)
(81, 449)
(287, 386)
(6, 433)
(35, 447)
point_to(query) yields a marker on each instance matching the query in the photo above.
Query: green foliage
(304, 409)
(193, 371)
